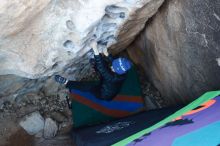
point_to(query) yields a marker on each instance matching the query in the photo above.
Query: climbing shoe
(60, 79)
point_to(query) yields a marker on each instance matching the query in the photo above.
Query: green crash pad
(88, 110)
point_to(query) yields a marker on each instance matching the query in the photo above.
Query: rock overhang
(40, 38)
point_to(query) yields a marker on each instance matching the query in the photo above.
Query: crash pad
(89, 110)
(109, 133)
(197, 124)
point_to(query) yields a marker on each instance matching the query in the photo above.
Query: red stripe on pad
(127, 98)
(112, 113)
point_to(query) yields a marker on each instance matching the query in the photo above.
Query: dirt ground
(7, 129)
(20, 138)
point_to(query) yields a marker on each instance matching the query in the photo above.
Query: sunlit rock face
(180, 48)
(41, 37)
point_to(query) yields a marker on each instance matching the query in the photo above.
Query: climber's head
(121, 65)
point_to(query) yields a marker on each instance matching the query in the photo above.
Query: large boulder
(39, 38)
(180, 49)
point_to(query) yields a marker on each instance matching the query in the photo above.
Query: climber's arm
(105, 52)
(94, 47)
(100, 63)
(109, 57)
(103, 68)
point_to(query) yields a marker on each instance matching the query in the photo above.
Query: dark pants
(87, 86)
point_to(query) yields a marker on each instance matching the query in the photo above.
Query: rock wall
(180, 49)
(39, 38)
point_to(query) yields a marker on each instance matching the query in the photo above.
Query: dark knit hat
(121, 65)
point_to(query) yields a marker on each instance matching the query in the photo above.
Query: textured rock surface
(12, 87)
(180, 47)
(50, 128)
(41, 37)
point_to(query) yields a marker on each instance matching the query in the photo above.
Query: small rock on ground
(32, 123)
(50, 128)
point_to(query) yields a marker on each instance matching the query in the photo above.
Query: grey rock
(50, 128)
(50, 87)
(32, 123)
(58, 116)
(39, 134)
(43, 102)
(218, 61)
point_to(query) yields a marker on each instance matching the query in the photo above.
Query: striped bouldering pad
(197, 124)
(89, 110)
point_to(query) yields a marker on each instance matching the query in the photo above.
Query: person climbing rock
(111, 75)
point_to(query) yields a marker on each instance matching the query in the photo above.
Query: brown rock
(179, 47)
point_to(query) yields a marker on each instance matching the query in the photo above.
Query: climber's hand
(94, 47)
(105, 51)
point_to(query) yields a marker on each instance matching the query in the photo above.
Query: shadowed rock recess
(179, 49)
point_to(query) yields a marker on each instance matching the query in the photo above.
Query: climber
(111, 73)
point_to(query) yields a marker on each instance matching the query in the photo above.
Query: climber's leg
(60, 79)
(81, 85)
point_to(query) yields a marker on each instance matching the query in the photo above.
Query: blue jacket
(110, 82)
